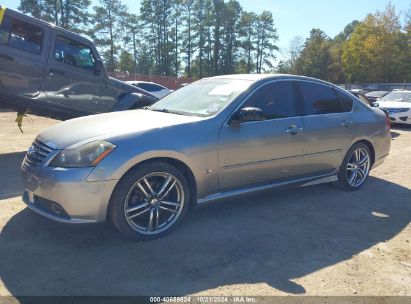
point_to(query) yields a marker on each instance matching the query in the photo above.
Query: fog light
(56, 208)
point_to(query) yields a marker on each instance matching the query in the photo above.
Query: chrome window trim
(329, 86)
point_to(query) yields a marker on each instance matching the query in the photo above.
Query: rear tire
(355, 168)
(150, 201)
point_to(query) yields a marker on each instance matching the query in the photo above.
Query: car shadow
(271, 237)
(10, 185)
(394, 134)
(401, 127)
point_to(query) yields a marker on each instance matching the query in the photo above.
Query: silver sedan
(216, 138)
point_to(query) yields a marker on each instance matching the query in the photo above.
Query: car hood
(76, 132)
(393, 104)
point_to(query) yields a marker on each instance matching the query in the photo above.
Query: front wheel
(150, 200)
(355, 168)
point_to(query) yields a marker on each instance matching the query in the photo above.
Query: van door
(22, 55)
(71, 80)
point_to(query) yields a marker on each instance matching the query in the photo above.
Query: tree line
(199, 38)
(376, 49)
(192, 38)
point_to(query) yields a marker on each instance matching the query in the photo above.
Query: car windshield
(202, 98)
(397, 96)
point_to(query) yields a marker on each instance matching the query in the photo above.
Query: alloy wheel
(154, 203)
(358, 167)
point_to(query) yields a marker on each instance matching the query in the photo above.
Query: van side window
(319, 99)
(21, 35)
(73, 53)
(5, 30)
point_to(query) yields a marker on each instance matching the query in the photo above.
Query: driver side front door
(256, 152)
(71, 81)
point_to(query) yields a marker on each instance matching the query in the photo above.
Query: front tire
(150, 201)
(355, 168)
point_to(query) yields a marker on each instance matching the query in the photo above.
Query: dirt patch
(306, 241)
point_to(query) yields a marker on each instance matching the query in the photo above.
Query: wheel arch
(180, 165)
(370, 147)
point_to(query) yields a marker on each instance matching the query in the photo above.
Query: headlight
(88, 155)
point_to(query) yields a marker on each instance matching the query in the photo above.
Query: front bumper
(399, 117)
(65, 195)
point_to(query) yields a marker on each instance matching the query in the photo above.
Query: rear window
(319, 99)
(345, 100)
(149, 87)
(21, 35)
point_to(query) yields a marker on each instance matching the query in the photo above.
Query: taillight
(387, 121)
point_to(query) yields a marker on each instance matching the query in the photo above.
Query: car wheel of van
(355, 168)
(150, 201)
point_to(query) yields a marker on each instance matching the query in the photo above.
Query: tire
(150, 201)
(353, 171)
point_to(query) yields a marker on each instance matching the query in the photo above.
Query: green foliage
(68, 14)
(126, 62)
(376, 49)
(199, 38)
(107, 29)
(316, 55)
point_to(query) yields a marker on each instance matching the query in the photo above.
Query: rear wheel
(355, 168)
(150, 201)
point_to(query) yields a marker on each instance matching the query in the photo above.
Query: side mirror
(248, 114)
(376, 104)
(98, 67)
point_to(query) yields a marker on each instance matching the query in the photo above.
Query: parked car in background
(375, 95)
(216, 138)
(55, 72)
(154, 88)
(398, 105)
(362, 97)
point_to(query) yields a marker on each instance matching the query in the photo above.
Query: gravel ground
(307, 241)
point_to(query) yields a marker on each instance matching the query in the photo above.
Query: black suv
(55, 72)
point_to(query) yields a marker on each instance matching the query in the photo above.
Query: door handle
(293, 130)
(346, 123)
(55, 71)
(7, 57)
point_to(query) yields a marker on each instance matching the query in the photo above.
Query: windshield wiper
(164, 110)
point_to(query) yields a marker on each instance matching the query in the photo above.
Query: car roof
(266, 77)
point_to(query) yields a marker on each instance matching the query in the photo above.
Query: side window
(346, 101)
(277, 100)
(21, 35)
(149, 87)
(73, 53)
(5, 27)
(319, 99)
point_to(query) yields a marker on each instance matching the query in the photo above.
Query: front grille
(37, 153)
